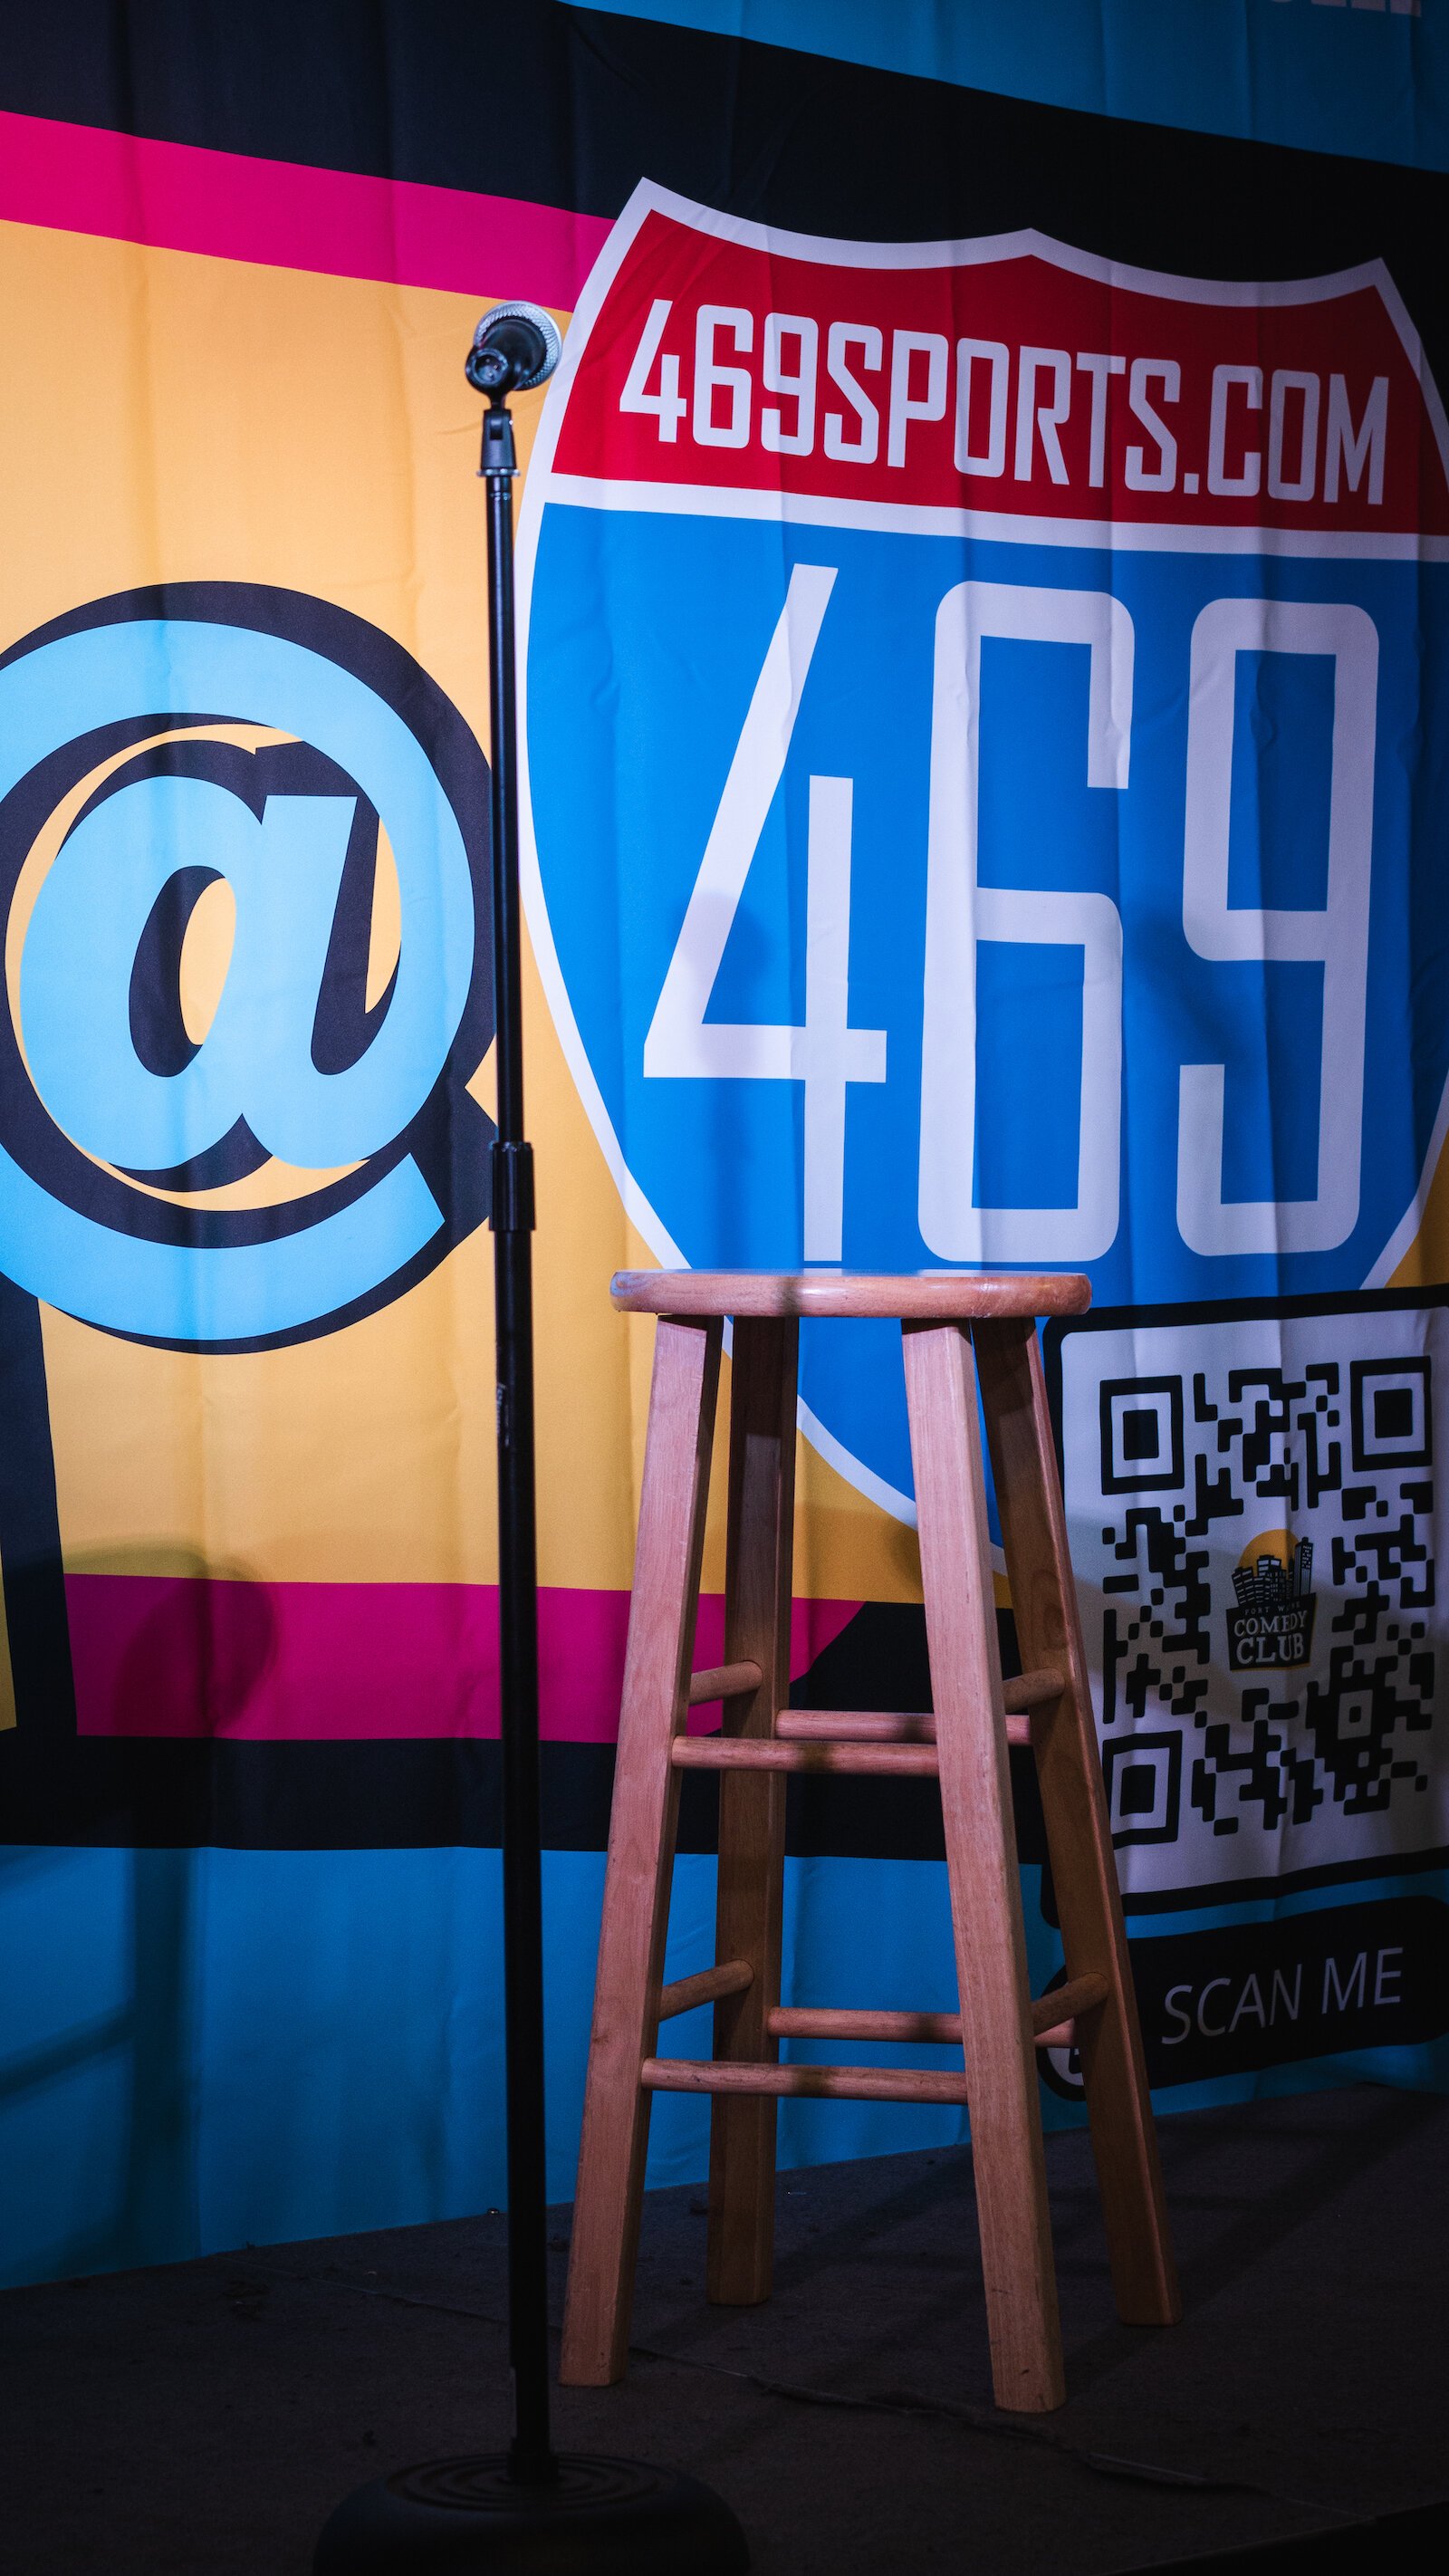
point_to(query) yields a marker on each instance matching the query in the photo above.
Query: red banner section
(1011, 378)
(180, 1655)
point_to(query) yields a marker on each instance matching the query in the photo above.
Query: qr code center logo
(1271, 1622)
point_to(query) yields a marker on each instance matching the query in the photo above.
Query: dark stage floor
(201, 2420)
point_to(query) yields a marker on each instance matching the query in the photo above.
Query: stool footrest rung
(870, 1726)
(1049, 2013)
(731, 1977)
(912, 1726)
(1055, 2013)
(823, 2083)
(1053, 2025)
(808, 2021)
(853, 1726)
(845, 1726)
(1029, 1690)
(765, 1753)
(723, 1681)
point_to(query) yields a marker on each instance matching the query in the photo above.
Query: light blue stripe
(1325, 76)
(209, 2048)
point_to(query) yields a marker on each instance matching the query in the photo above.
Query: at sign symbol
(243, 849)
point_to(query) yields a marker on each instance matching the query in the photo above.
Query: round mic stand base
(598, 2517)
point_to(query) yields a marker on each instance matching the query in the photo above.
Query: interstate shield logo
(244, 874)
(964, 684)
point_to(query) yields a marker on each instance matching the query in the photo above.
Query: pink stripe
(178, 1655)
(176, 196)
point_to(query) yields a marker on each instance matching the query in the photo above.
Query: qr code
(1253, 1518)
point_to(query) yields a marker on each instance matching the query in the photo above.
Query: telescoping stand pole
(530, 2509)
(533, 2462)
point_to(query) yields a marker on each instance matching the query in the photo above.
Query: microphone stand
(511, 1217)
(531, 2511)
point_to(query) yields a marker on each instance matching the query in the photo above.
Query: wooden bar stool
(956, 1329)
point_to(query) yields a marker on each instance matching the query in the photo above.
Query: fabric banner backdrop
(984, 573)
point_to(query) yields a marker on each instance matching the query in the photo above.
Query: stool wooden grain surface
(961, 1332)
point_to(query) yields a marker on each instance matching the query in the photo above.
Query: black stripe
(163, 1795)
(368, 1797)
(567, 107)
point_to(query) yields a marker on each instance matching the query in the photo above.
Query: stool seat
(918, 1296)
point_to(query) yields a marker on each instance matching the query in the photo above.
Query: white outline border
(541, 485)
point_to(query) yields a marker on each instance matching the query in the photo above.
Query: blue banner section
(218, 2048)
(1367, 77)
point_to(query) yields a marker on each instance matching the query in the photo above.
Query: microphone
(515, 347)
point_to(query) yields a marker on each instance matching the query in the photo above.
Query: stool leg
(657, 1665)
(1089, 1903)
(1001, 2077)
(760, 1545)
